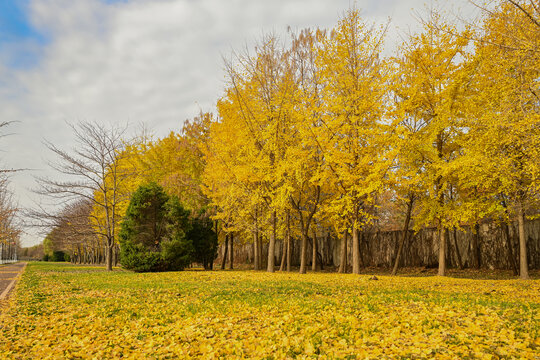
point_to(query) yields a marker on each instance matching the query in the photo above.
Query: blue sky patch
(14, 23)
(20, 42)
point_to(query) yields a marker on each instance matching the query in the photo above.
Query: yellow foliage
(82, 312)
(353, 132)
(175, 162)
(430, 86)
(503, 142)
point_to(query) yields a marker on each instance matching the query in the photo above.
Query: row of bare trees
(87, 178)
(10, 229)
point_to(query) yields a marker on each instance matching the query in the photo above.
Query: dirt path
(9, 274)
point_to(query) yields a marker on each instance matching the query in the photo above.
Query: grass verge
(65, 311)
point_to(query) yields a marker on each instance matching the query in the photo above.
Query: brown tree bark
(303, 253)
(256, 261)
(79, 252)
(523, 263)
(305, 222)
(456, 247)
(288, 242)
(114, 255)
(231, 251)
(355, 250)
(272, 246)
(441, 227)
(510, 252)
(314, 252)
(283, 255)
(260, 249)
(225, 250)
(509, 247)
(476, 256)
(404, 235)
(343, 255)
(442, 251)
(109, 256)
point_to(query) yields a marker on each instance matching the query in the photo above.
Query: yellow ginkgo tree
(503, 140)
(353, 131)
(431, 84)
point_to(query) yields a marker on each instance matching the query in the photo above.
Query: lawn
(66, 311)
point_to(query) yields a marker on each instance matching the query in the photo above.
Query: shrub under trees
(158, 234)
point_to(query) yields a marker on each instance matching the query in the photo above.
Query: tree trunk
(355, 251)
(272, 246)
(523, 264)
(506, 230)
(256, 261)
(283, 255)
(320, 261)
(476, 263)
(458, 254)
(288, 243)
(225, 250)
(510, 252)
(441, 228)
(343, 256)
(442, 251)
(260, 249)
(304, 225)
(325, 251)
(231, 252)
(449, 260)
(289, 247)
(404, 235)
(314, 252)
(110, 244)
(303, 252)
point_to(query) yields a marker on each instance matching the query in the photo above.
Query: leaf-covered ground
(65, 311)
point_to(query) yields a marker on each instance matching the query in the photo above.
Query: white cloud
(151, 61)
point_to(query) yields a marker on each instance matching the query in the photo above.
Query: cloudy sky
(152, 62)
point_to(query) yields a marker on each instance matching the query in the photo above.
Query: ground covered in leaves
(66, 311)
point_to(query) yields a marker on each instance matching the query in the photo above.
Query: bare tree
(73, 229)
(10, 230)
(10, 227)
(90, 171)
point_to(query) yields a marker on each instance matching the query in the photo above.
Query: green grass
(70, 311)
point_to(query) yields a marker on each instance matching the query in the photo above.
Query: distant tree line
(325, 137)
(10, 227)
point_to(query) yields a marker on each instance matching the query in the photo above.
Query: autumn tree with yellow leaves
(503, 142)
(256, 112)
(352, 132)
(335, 141)
(429, 92)
(320, 135)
